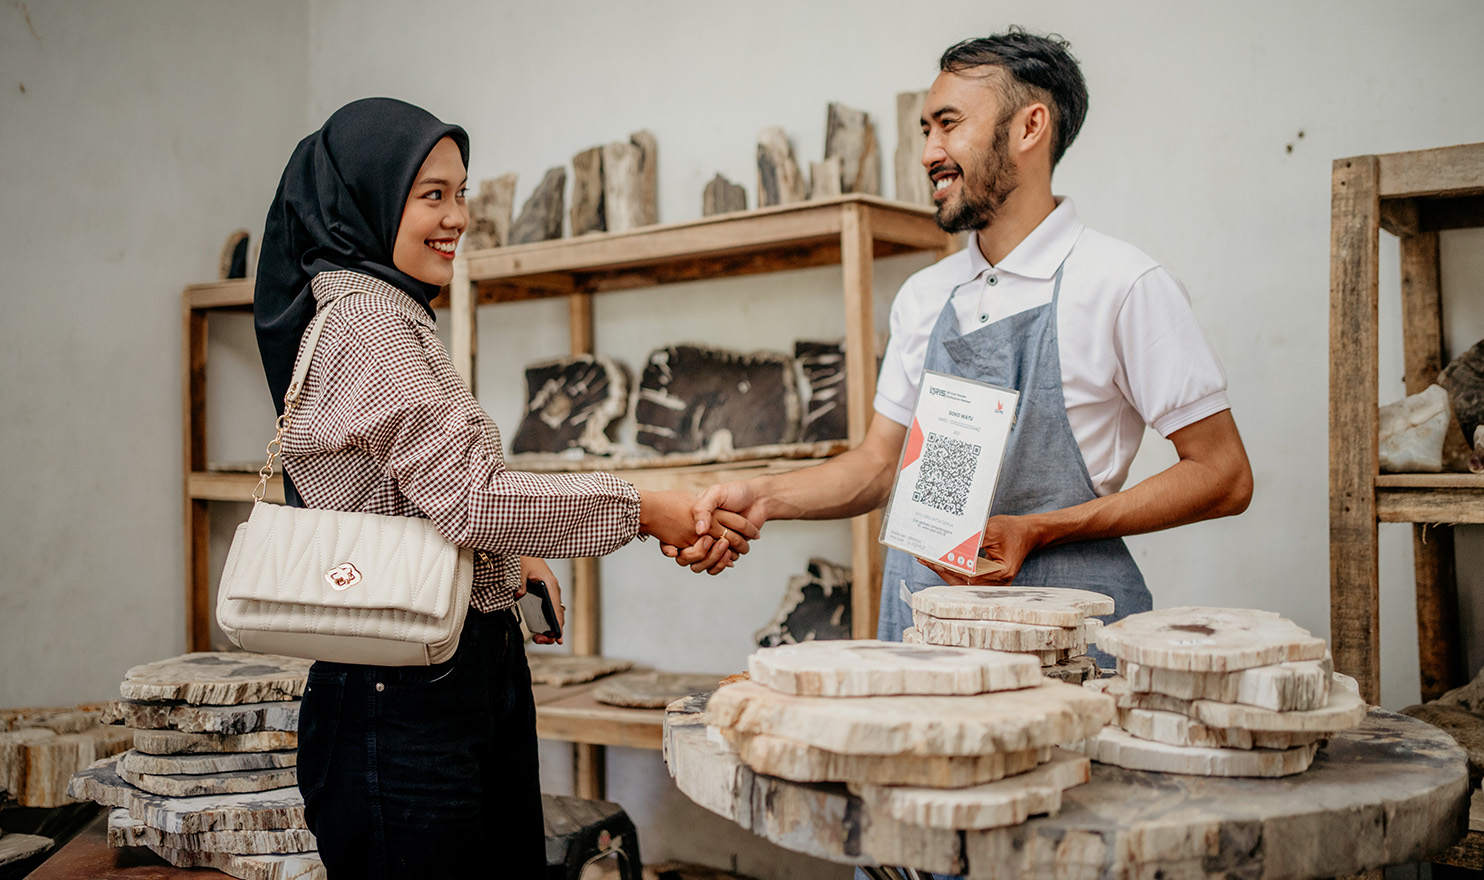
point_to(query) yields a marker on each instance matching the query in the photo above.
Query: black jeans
(426, 771)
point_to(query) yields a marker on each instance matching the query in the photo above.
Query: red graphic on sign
(963, 555)
(914, 445)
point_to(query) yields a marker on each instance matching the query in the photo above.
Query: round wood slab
(1199, 639)
(1120, 748)
(866, 667)
(1047, 606)
(997, 635)
(777, 756)
(217, 678)
(1394, 790)
(1282, 687)
(1009, 801)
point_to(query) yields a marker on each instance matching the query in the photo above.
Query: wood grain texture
(490, 213)
(36, 764)
(1282, 687)
(1203, 639)
(648, 212)
(125, 830)
(999, 635)
(217, 678)
(1044, 606)
(142, 762)
(721, 196)
(1179, 729)
(867, 667)
(790, 759)
(1009, 801)
(778, 179)
(195, 785)
(1054, 657)
(850, 136)
(1122, 749)
(175, 742)
(586, 212)
(624, 202)
(255, 811)
(242, 718)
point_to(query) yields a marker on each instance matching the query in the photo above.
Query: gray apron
(1043, 468)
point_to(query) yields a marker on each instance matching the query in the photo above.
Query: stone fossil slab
(851, 136)
(217, 678)
(563, 669)
(587, 192)
(490, 213)
(175, 742)
(1342, 711)
(279, 809)
(825, 414)
(242, 718)
(789, 759)
(1201, 639)
(1073, 670)
(1043, 606)
(692, 398)
(1122, 749)
(36, 764)
(573, 402)
(196, 785)
(125, 830)
(815, 607)
(14, 847)
(912, 183)
(867, 667)
(721, 196)
(193, 765)
(1282, 687)
(652, 690)
(912, 636)
(1177, 729)
(1009, 801)
(999, 635)
(292, 866)
(541, 216)
(779, 181)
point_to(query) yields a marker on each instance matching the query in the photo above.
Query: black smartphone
(537, 611)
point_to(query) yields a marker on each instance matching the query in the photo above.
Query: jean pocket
(319, 725)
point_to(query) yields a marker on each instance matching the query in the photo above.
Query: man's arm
(1212, 479)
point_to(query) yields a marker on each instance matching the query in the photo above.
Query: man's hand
(1008, 540)
(735, 505)
(532, 567)
(667, 516)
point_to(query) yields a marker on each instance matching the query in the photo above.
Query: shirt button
(993, 280)
(983, 318)
(380, 687)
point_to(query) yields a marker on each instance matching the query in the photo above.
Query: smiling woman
(434, 217)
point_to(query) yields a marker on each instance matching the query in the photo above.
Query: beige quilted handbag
(348, 587)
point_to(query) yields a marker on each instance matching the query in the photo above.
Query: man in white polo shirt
(1097, 337)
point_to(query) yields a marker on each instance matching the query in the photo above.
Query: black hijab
(338, 206)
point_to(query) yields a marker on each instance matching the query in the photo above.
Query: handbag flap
(336, 559)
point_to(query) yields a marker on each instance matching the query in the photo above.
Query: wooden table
(1393, 790)
(88, 855)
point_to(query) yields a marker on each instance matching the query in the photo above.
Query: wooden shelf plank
(235, 293)
(1429, 505)
(574, 715)
(1457, 170)
(1430, 481)
(230, 486)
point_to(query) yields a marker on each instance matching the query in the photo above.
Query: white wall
(147, 131)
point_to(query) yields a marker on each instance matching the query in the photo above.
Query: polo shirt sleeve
(901, 365)
(1170, 373)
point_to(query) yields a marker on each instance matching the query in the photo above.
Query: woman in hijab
(420, 771)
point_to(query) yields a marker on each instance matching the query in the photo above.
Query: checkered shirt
(384, 425)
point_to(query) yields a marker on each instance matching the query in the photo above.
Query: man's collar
(1039, 253)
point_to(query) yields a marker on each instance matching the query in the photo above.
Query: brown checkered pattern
(384, 425)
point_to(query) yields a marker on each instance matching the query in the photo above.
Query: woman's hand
(667, 516)
(532, 567)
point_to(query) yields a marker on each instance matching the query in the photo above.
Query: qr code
(946, 474)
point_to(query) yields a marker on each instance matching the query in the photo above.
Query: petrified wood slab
(541, 216)
(177, 765)
(14, 847)
(587, 192)
(1049, 713)
(231, 782)
(490, 213)
(652, 690)
(218, 679)
(563, 669)
(778, 179)
(244, 718)
(1282, 687)
(1122, 749)
(721, 196)
(1009, 801)
(850, 135)
(824, 178)
(999, 635)
(233, 262)
(1177, 729)
(648, 208)
(1344, 710)
(57, 719)
(623, 200)
(1199, 639)
(911, 636)
(1462, 725)
(692, 398)
(125, 830)
(780, 756)
(175, 742)
(815, 606)
(275, 810)
(825, 414)
(1464, 381)
(1043, 606)
(294, 866)
(1073, 670)
(912, 184)
(36, 764)
(573, 402)
(867, 667)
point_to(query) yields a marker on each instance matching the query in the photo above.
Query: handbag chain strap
(291, 396)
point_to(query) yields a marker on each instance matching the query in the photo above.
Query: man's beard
(976, 208)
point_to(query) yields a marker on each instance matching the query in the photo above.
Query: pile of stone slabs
(1052, 624)
(211, 780)
(40, 749)
(933, 736)
(1220, 692)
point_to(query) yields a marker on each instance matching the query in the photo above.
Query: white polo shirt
(1132, 353)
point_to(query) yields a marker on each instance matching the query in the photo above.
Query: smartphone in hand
(537, 611)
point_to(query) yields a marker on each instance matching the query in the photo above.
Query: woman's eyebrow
(437, 181)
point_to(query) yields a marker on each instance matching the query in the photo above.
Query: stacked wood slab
(40, 749)
(1052, 624)
(937, 737)
(211, 780)
(1220, 692)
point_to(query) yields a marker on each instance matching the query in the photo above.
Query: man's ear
(1033, 129)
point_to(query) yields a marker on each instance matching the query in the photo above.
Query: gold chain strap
(275, 446)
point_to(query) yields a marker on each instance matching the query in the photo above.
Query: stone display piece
(242, 718)
(825, 414)
(648, 212)
(721, 196)
(824, 178)
(273, 810)
(1463, 379)
(175, 742)
(998, 635)
(490, 213)
(1344, 710)
(218, 679)
(57, 719)
(176, 765)
(867, 667)
(1122, 749)
(1009, 801)
(541, 216)
(1282, 687)
(37, 763)
(623, 175)
(815, 606)
(851, 136)
(1049, 713)
(574, 402)
(652, 690)
(230, 782)
(789, 759)
(1412, 432)
(912, 183)
(233, 262)
(778, 179)
(564, 669)
(1199, 639)
(125, 830)
(290, 866)
(1178, 729)
(587, 192)
(1462, 725)
(14, 847)
(1043, 606)
(1073, 670)
(1054, 657)
(692, 398)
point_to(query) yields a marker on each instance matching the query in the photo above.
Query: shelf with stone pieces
(1220, 692)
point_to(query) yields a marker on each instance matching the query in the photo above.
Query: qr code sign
(946, 474)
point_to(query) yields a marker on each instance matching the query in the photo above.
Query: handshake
(707, 532)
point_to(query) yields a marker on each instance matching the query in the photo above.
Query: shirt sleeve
(901, 365)
(444, 456)
(1170, 373)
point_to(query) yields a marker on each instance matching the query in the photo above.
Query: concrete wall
(146, 132)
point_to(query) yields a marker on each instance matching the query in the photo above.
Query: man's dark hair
(1038, 69)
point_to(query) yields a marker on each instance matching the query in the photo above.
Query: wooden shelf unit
(1412, 195)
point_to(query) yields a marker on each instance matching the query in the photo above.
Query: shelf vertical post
(463, 325)
(197, 511)
(589, 762)
(857, 258)
(1354, 613)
